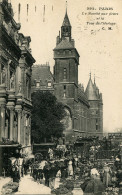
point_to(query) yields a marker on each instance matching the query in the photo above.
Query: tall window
(64, 94)
(96, 127)
(96, 124)
(65, 73)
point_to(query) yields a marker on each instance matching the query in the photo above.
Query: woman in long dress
(106, 175)
(70, 168)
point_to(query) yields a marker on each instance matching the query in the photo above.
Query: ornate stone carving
(12, 81)
(9, 62)
(20, 87)
(11, 109)
(3, 76)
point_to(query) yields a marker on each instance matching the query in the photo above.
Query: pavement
(4, 181)
(27, 185)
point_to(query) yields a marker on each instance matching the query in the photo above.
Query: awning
(13, 145)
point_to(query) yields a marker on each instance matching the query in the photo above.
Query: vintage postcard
(60, 97)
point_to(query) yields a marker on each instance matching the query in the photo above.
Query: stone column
(0, 71)
(22, 65)
(2, 131)
(23, 127)
(30, 130)
(19, 125)
(11, 122)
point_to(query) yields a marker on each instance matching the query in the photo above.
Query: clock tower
(66, 73)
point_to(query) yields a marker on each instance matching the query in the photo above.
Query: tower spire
(19, 9)
(90, 75)
(66, 7)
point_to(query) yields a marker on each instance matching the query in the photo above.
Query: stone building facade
(84, 107)
(15, 79)
(42, 78)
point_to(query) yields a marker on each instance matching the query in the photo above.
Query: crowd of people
(96, 176)
(49, 170)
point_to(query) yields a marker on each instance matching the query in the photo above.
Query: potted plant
(69, 185)
(10, 188)
(62, 190)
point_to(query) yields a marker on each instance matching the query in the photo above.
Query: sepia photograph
(60, 97)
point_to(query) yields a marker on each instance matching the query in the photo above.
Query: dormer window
(49, 84)
(37, 84)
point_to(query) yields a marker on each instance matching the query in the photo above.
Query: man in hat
(53, 171)
(46, 171)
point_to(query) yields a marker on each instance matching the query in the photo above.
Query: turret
(66, 28)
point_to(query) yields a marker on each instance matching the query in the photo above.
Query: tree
(47, 114)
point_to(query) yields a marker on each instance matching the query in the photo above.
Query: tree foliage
(47, 114)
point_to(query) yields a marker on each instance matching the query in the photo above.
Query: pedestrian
(50, 152)
(15, 173)
(46, 171)
(40, 175)
(20, 164)
(75, 163)
(106, 175)
(70, 168)
(52, 172)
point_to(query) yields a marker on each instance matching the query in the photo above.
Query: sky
(100, 48)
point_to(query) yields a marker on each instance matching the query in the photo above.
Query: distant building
(42, 78)
(115, 137)
(84, 108)
(15, 80)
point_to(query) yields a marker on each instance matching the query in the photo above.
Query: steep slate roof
(91, 91)
(64, 44)
(66, 21)
(82, 96)
(41, 72)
